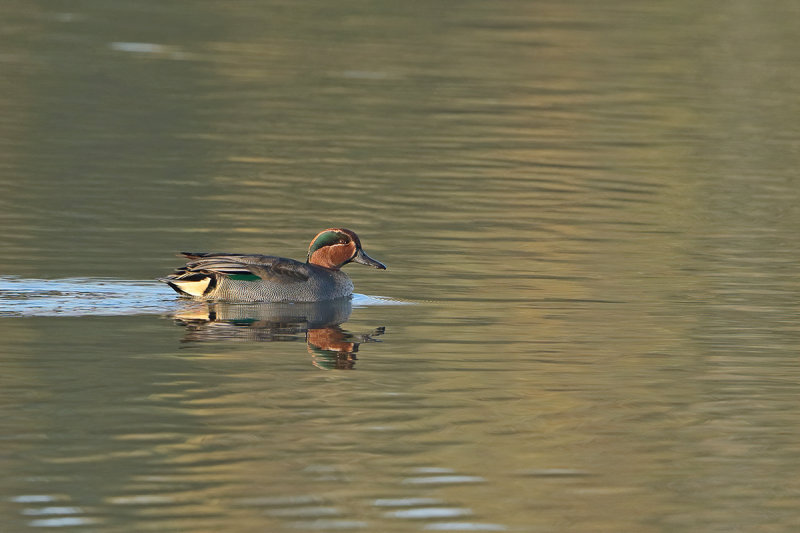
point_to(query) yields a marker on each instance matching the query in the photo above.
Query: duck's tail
(191, 285)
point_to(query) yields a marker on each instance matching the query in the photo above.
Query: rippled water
(590, 216)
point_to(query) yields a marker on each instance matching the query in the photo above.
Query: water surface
(591, 207)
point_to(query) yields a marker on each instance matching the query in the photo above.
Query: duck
(265, 278)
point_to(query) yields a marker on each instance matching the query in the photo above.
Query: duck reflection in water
(318, 323)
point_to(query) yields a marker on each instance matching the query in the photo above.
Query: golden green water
(589, 211)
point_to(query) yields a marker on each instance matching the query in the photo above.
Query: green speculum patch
(244, 277)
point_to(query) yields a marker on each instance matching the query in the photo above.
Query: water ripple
(443, 480)
(107, 297)
(430, 512)
(464, 526)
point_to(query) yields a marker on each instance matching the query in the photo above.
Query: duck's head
(335, 247)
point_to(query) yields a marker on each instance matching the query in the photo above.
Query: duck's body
(257, 278)
(266, 278)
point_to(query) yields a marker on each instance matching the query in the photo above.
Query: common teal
(266, 278)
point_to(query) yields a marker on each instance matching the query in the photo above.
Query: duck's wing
(247, 267)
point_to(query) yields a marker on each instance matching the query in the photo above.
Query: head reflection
(318, 323)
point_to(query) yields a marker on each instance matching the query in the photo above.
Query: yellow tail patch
(193, 288)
